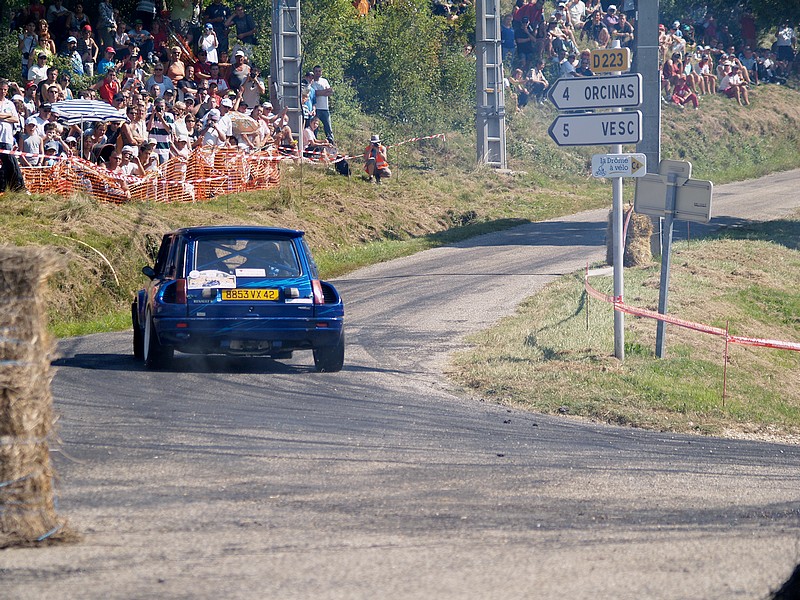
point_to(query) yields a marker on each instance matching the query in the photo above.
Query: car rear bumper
(247, 336)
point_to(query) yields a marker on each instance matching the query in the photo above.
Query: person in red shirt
(108, 86)
(202, 68)
(682, 94)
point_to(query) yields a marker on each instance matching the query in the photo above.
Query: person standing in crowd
(323, 91)
(146, 12)
(106, 23)
(27, 44)
(209, 43)
(38, 72)
(216, 14)
(160, 126)
(88, 49)
(10, 174)
(240, 71)
(785, 42)
(253, 88)
(245, 30)
(375, 163)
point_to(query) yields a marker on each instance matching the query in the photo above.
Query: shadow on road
(183, 363)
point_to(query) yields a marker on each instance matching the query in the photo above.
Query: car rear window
(255, 257)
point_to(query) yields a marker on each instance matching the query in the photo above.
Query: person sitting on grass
(375, 163)
(733, 86)
(683, 93)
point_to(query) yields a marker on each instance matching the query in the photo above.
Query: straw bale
(27, 509)
(637, 243)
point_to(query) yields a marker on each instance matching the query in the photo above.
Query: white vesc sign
(621, 91)
(603, 129)
(619, 165)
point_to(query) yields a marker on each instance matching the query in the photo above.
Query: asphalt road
(260, 479)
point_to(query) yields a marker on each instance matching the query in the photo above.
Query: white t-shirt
(322, 101)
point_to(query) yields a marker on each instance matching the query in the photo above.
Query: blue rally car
(237, 290)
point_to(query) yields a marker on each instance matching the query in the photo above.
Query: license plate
(250, 294)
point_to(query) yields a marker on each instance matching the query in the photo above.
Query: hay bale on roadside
(27, 511)
(637, 244)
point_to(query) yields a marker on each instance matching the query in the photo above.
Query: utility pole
(645, 62)
(490, 118)
(286, 61)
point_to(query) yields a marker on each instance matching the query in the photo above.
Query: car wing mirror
(149, 272)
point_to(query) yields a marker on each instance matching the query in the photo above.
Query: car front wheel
(330, 359)
(156, 355)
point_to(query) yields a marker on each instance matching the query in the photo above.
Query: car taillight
(180, 291)
(319, 297)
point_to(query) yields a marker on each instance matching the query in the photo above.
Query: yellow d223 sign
(610, 60)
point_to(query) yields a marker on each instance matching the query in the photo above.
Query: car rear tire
(330, 359)
(138, 337)
(156, 355)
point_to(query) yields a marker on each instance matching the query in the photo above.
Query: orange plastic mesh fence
(208, 172)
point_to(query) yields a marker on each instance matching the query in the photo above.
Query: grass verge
(552, 357)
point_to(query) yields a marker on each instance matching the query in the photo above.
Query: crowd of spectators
(696, 59)
(176, 92)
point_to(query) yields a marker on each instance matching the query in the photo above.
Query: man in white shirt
(38, 72)
(323, 91)
(11, 177)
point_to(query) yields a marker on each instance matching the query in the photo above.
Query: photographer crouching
(375, 163)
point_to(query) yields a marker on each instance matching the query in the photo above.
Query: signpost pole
(663, 292)
(618, 251)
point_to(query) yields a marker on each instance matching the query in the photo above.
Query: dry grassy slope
(435, 187)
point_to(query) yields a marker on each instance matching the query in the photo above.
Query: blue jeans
(324, 117)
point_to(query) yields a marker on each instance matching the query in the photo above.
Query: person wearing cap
(216, 14)
(50, 154)
(209, 43)
(29, 98)
(88, 49)
(375, 163)
(128, 165)
(147, 158)
(75, 59)
(240, 71)
(109, 61)
(611, 19)
(226, 106)
(212, 134)
(38, 72)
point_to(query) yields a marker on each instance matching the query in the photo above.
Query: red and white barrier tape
(643, 312)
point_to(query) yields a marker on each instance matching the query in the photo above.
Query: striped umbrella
(73, 112)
